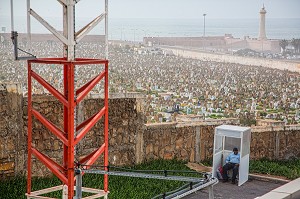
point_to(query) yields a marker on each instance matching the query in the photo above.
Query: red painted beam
(89, 126)
(84, 86)
(95, 156)
(71, 130)
(60, 168)
(80, 126)
(91, 158)
(84, 90)
(50, 165)
(56, 131)
(50, 88)
(50, 61)
(101, 61)
(86, 62)
(59, 60)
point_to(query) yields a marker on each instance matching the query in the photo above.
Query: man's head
(235, 150)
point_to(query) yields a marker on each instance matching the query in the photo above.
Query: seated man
(232, 162)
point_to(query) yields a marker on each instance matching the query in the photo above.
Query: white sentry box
(226, 138)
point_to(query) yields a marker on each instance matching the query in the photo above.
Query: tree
(296, 44)
(283, 44)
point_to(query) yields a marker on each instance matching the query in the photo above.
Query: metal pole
(78, 184)
(106, 127)
(71, 28)
(65, 148)
(29, 105)
(106, 29)
(121, 34)
(15, 41)
(134, 35)
(14, 35)
(204, 25)
(106, 100)
(66, 94)
(12, 15)
(65, 30)
(211, 192)
(28, 26)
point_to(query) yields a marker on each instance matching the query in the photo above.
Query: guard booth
(226, 138)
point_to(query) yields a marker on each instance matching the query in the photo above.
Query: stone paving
(249, 190)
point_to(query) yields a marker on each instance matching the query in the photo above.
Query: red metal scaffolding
(71, 135)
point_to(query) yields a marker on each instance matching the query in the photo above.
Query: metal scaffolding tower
(71, 134)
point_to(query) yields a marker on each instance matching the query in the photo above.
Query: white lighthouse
(262, 24)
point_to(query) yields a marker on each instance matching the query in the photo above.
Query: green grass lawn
(124, 187)
(119, 187)
(289, 168)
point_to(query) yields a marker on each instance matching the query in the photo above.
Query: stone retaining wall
(11, 142)
(126, 120)
(131, 141)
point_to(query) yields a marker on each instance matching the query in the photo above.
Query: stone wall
(216, 42)
(264, 45)
(191, 141)
(206, 56)
(11, 142)
(126, 120)
(275, 142)
(194, 141)
(168, 141)
(130, 139)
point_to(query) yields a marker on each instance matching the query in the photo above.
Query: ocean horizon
(134, 29)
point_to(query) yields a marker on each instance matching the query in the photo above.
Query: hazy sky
(163, 8)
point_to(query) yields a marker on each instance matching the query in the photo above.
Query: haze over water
(135, 29)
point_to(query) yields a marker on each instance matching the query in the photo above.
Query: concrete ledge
(290, 190)
(212, 122)
(267, 178)
(264, 129)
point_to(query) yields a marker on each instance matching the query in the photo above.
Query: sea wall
(250, 61)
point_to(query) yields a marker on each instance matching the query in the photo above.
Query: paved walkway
(251, 189)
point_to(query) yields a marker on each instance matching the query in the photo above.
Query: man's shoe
(225, 180)
(232, 182)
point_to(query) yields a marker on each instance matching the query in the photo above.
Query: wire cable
(146, 171)
(22, 49)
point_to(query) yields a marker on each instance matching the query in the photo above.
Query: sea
(134, 29)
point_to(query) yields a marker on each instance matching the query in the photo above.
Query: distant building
(224, 43)
(262, 24)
